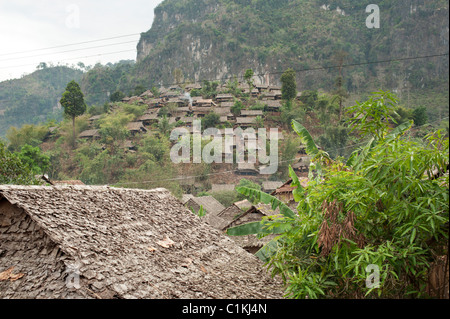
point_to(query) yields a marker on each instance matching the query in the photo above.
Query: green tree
(210, 120)
(248, 75)
(73, 103)
(335, 140)
(117, 96)
(237, 107)
(288, 86)
(164, 126)
(155, 91)
(209, 89)
(419, 115)
(309, 99)
(113, 129)
(13, 170)
(138, 90)
(27, 134)
(157, 148)
(373, 117)
(33, 158)
(259, 121)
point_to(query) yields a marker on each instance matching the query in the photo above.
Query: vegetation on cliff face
(196, 40)
(219, 39)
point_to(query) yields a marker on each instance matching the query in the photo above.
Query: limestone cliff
(219, 39)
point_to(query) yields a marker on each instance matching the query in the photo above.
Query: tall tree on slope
(73, 103)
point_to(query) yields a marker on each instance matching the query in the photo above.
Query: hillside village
(219, 218)
(263, 105)
(93, 204)
(182, 111)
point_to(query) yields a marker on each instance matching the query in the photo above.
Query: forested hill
(196, 40)
(34, 98)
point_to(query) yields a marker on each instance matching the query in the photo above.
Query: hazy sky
(30, 31)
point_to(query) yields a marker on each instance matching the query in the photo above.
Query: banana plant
(278, 224)
(318, 157)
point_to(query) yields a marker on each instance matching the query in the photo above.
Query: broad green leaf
(245, 229)
(260, 197)
(311, 147)
(399, 130)
(268, 250)
(298, 192)
(413, 236)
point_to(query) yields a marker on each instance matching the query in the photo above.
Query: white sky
(27, 25)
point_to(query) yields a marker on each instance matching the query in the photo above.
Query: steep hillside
(196, 40)
(220, 39)
(34, 98)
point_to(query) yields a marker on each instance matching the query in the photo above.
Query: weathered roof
(251, 113)
(201, 101)
(271, 186)
(147, 117)
(186, 197)
(246, 166)
(226, 104)
(223, 111)
(202, 109)
(245, 120)
(229, 214)
(67, 182)
(193, 86)
(89, 133)
(136, 126)
(287, 188)
(272, 103)
(254, 213)
(222, 188)
(209, 203)
(225, 96)
(215, 221)
(131, 243)
(147, 94)
(243, 204)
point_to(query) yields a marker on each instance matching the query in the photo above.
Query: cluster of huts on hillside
(186, 109)
(70, 240)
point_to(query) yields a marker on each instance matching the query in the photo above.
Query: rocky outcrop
(216, 40)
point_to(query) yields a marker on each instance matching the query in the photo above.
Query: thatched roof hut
(209, 203)
(102, 242)
(89, 134)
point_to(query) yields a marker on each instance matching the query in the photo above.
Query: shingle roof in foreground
(132, 244)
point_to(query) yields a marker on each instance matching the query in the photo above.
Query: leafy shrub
(385, 208)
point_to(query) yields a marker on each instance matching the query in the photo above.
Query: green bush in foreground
(370, 227)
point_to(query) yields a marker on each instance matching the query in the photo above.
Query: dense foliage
(13, 170)
(33, 99)
(385, 208)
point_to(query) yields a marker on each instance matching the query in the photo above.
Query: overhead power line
(73, 50)
(235, 170)
(262, 74)
(77, 58)
(323, 68)
(70, 44)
